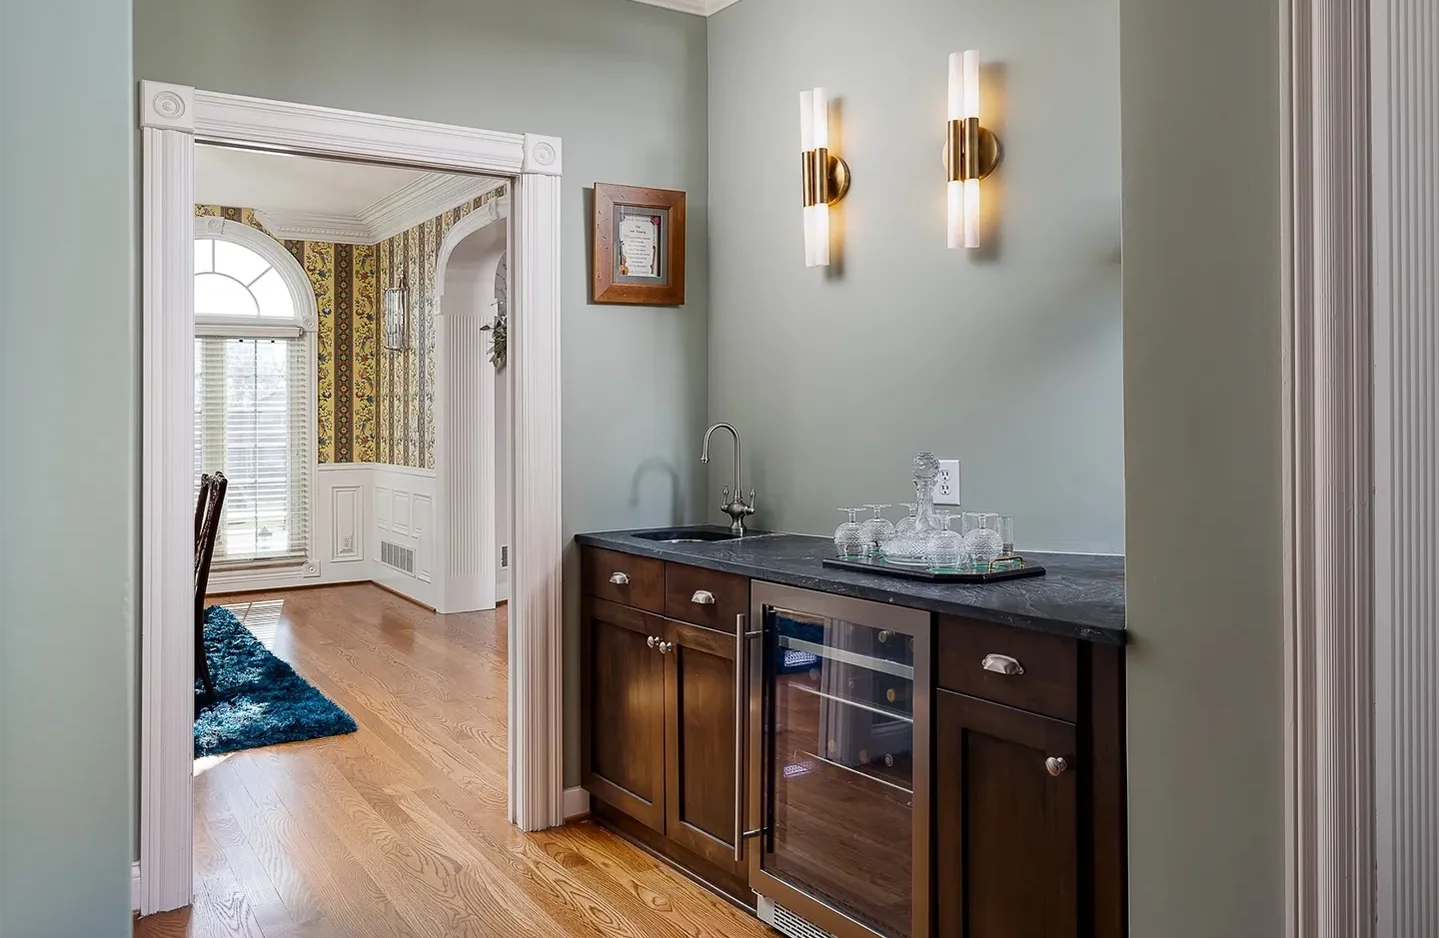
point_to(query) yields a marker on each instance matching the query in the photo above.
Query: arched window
(254, 408)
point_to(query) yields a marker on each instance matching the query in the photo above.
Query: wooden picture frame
(650, 223)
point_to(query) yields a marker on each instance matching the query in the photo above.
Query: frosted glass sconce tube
(971, 151)
(825, 178)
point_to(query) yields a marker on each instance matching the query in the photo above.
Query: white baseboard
(576, 803)
(135, 889)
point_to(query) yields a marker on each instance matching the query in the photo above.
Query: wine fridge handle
(742, 699)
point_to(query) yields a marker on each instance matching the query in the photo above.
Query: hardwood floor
(399, 829)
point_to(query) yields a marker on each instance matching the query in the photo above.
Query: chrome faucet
(738, 508)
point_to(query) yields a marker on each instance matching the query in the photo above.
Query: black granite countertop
(1080, 595)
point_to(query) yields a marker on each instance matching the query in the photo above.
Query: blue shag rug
(259, 699)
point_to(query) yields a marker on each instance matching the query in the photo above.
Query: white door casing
(172, 119)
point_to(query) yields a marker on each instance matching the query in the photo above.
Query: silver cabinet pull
(620, 578)
(1002, 664)
(742, 670)
(703, 598)
(652, 640)
(1056, 765)
(665, 647)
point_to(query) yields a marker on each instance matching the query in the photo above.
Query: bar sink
(687, 535)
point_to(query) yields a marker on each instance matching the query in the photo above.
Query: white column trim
(167, 514)
(172, 118)
(467, 558)
(536, 661)
(1327, 559)
(1403, 132)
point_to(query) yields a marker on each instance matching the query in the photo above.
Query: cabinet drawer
(705, 597)
(1048, 677)
(624, 578)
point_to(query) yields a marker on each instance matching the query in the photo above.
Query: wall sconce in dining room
(825, 178)
(971, 152)
(397, 317)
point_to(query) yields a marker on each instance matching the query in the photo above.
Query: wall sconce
(824, 178)
(971, 152)
(397, 317)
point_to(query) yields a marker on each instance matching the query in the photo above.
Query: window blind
(251, 422)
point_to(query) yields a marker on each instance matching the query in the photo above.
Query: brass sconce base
(826, 178)
(970, 165)
(839, 178)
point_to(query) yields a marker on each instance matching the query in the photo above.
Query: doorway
(173, 119)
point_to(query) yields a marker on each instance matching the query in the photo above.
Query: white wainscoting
(404, 501)
(339, 538)
(357, 508)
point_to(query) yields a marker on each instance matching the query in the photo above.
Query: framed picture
(639, 246)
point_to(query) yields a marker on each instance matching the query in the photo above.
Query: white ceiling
(295, 183)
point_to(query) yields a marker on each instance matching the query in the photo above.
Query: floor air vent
(398, 556)
(788, 923)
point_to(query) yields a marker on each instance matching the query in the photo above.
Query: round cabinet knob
(620, 579)
(665, 647)
(651, 640)
(1056, 765)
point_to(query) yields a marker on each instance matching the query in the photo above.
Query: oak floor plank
(400, 828)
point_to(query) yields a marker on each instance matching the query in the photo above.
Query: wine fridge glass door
(839, 761)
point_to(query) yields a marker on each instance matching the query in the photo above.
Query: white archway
(466, 469)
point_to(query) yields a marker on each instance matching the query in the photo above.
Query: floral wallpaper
(343, 278)
(405, 378)
(373, 404)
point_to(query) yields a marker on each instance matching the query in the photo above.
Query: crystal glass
(1007, 535)
(877, 531)
(906, 548)
(945, 548)
(906, 524)
(850, 537)
(982, 538)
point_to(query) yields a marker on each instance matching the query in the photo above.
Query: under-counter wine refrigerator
(839, 788)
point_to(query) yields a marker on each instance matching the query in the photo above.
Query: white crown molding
(410, 205)
(698, 7)
(421, 200)
(315, 226)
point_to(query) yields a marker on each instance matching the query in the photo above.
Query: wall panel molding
(1328, 547)
(1404, 248)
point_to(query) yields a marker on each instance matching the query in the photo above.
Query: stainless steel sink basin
(687, 535)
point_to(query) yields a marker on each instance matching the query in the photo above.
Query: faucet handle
(725, 498)
(750, 508)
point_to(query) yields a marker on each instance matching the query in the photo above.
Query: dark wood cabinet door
(700, 715)
(623, 708)
(1007, 846)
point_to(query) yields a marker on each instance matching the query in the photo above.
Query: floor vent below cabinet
(398, 556)
(788, 923)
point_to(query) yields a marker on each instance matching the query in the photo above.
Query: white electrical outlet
(348, 544)
(947, 484)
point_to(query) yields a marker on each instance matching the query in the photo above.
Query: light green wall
(1202, 467)
(69, 427)
(1007, 357)
(623, 84)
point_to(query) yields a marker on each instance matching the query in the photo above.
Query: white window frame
(304, 323)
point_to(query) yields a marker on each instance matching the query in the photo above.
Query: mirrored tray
(1014, 569)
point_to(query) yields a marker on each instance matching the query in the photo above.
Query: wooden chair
(207, 529)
